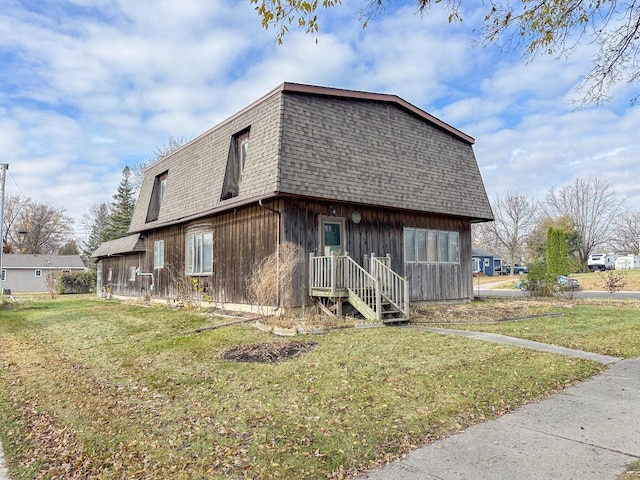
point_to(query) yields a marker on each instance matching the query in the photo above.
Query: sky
(90, 86)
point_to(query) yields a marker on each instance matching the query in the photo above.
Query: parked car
(518, 269)
(563, 282)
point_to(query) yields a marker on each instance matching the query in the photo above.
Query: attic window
(159, 186)
(238, 151)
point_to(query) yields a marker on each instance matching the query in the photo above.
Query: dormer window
(238, 152)
(159, 186)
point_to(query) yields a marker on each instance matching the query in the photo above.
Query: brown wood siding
(120, 266)
(241, 239)
(381, 231)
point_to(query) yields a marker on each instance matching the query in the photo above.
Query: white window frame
(38, 273)
(199, 253)
(158, 254)
(4, 275)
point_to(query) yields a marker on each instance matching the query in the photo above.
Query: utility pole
(3, 175)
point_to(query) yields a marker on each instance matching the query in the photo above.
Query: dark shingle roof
(325, 143)
(130, 243)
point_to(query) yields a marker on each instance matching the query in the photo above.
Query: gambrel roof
(322, 143)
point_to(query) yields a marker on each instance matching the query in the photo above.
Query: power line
(17, 186)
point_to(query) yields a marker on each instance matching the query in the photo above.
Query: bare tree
(138, 168)
(515, 217)
(593, 205)
(627, 232)
(13, 208)
(547, 27)
(39, 228)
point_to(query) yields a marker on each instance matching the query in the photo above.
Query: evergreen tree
(557, 252)
(121, 208)
(96, 222)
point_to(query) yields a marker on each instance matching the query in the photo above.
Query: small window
(199, 254)
(38, 273)
(454, 248)
(4, 275)
(443, 244)
(110, 275)
(159, 187)
(409, 244)
(133, 272)
(158, 254)
(421, 245)
(432, 246)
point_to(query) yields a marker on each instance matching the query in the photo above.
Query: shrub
(612, 281)
(540, 283)
(76, 282)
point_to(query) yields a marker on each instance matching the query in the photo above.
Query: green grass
(607, 328)
(93, 389)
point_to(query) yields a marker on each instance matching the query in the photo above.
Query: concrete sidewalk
(590, 431)
(4, 475)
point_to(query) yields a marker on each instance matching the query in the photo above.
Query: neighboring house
(28, 272)
(332, 171)
(486, 262)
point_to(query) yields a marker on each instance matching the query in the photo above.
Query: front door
(331, 235)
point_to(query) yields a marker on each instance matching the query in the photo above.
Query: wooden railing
(339, 275)
(394, 287)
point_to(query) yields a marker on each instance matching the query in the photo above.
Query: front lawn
(102, 389)
(599, 326)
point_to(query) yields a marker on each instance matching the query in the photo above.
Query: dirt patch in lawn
(489, 312)
(268, 352)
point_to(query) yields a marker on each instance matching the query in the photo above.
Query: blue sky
(89, 86)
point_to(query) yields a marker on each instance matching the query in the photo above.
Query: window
(236, 161)
(454, 249)
(4, 275)
(433, 246)
(158, 254)
(110, 275)
(409, 244)
(133, 272)
(38, 273)
(432, 250)
(159, 187)
(199, 254)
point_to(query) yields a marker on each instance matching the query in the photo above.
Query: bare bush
(51, 282)
(612, 281)
(272, 276)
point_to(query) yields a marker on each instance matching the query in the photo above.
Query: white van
(601, 261)
(626, 262)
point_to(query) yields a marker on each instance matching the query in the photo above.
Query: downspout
(279, 214)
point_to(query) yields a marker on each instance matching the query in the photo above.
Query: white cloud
(89, 86)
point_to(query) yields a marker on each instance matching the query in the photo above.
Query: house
(486, 262)
(342, 174)
(28, 273)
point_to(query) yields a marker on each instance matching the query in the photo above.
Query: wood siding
(381, 231)
(242, 238)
